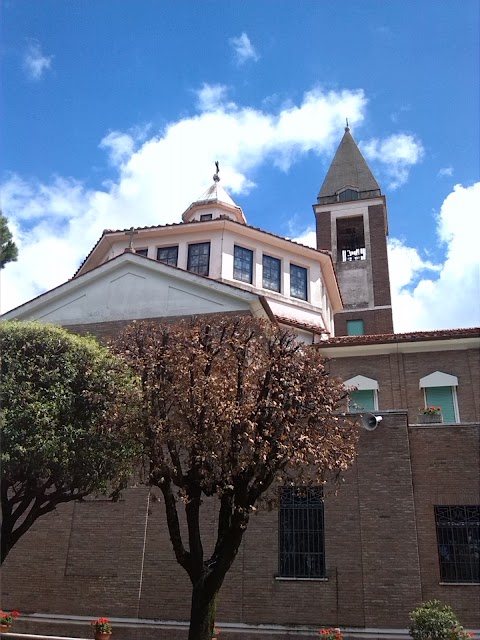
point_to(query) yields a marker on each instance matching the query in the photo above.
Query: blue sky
(115, 111)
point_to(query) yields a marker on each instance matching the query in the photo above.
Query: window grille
(298, 282)
(169, 255)
(301, 533)
(458, 537)
(242, 264)
(271, 273)
(199, 258)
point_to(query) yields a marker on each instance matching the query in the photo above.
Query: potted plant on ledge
(430, 415)
(330, 634)
(103, 629)
(6, 620)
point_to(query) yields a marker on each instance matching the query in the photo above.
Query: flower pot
(5, 628)
(430, 418)
(101, 635)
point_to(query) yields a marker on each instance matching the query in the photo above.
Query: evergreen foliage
(8, 248)
(67, 410)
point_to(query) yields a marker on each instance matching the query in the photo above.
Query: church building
(404, 526)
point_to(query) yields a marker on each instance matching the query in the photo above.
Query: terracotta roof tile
(193, 222)
(414, 336)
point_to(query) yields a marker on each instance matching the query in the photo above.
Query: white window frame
(440, 379)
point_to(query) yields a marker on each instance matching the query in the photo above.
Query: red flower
(15, 614)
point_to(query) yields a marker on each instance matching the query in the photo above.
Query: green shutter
(442, 397)
(362, 400)
(355, 328)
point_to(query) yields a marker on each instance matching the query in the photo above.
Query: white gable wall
(133, 288)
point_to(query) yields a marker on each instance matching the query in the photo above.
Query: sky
(114, 113)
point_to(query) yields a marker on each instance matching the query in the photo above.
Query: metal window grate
(301, 533)
(458, 536)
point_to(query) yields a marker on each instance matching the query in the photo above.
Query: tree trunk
(202, 615)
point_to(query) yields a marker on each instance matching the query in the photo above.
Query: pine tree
(8, 248)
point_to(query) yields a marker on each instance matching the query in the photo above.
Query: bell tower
(351, 217)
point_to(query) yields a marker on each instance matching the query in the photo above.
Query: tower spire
(348, 169)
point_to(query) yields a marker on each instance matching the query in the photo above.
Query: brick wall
(375, 321)
(398, 376)
(324, 230)
(446, 471)
(378, 250)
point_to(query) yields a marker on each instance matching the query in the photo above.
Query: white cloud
(35, 62)
(57, 223)
(397, 153)
(244, 49)
(426, 295)
(212, 97)
(446, 171)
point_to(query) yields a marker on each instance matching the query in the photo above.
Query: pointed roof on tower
(348, 169)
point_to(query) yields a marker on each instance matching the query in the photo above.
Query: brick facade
(102, 558)
(375, 321)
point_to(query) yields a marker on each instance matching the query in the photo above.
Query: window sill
(459, 584)
(287, 579)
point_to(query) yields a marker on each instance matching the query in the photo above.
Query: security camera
(370, 422)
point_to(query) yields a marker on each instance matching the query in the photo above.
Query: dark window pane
(271, 273)
(458, 538)
(142, 252)
(169, 255)
(298, 282)
(205, 216)
(301, 533)
(199, 258)
(242, 264)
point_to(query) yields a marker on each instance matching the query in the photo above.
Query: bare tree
(230, 407)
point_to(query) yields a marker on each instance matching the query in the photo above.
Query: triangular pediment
(132, 287)
(362, 383)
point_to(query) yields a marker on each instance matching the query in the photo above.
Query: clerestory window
(169, 255)
(199, 258)
(298, 282)
(242, 264)
(272, 269)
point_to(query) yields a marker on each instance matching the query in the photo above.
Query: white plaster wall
(222, 242)
(133, 292)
